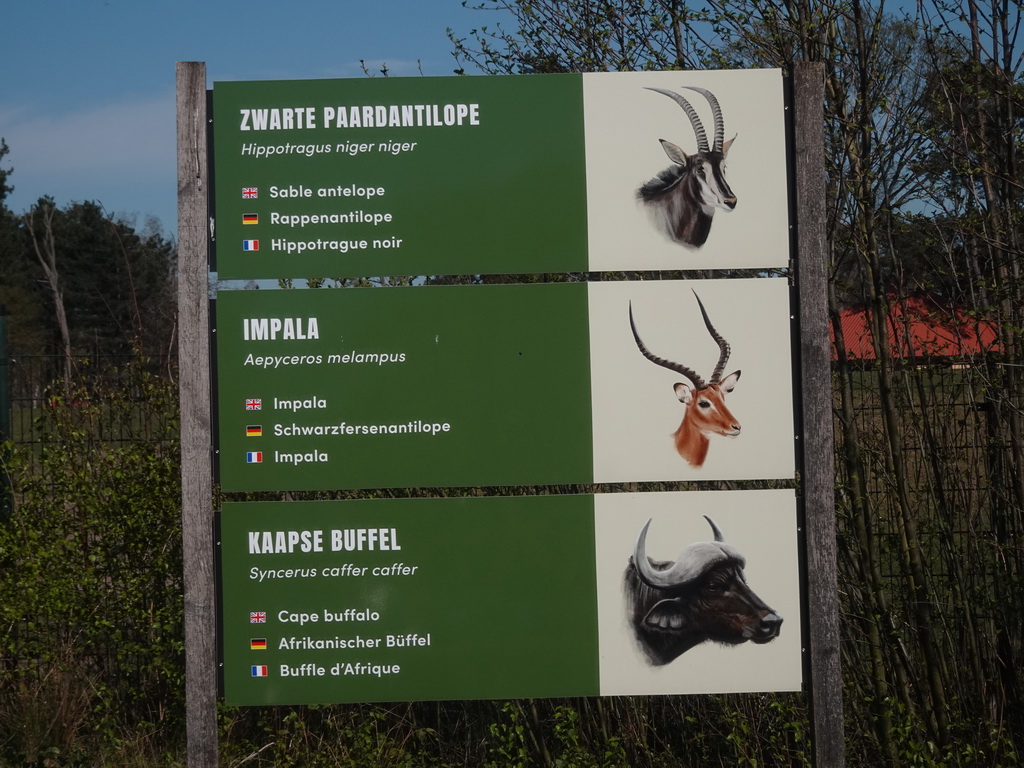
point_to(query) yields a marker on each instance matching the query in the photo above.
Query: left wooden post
(196, 394)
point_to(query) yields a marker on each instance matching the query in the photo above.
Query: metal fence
(82, 383)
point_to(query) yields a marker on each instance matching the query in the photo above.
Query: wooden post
(196, 466)
(817, 480)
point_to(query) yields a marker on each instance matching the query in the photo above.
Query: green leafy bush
(90, 574)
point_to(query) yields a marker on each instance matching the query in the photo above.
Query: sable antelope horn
(698, 126)
(723, 345)
(716, 110)
(689, 373)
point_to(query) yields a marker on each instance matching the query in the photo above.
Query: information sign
(448, 596)
(503, 385)
(398, 387)
(474, 175)
(499, 597)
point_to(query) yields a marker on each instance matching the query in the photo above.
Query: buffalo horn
(691, 564)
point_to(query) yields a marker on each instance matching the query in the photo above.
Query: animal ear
(666, 614)
(729, 382)
(675, 154)
(684, 393)
(726, 145)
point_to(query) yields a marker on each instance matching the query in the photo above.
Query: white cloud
(120, 153)
(134, 135)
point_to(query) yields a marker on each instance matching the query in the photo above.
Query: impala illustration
(683, 198)
(705, 412)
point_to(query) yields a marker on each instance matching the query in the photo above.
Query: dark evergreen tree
(5, 188)
(116, 284)
(26, 315)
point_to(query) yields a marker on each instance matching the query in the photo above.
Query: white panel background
(635, 408)
(623, 124)
(762, 526)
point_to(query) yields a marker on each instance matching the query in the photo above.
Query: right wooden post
(817, 479)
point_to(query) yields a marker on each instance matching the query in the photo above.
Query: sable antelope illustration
(705, 410)
(683, 197)
(703, 595)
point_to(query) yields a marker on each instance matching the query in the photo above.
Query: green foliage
(90, 573)
(506, 743)
(327, 737)
(914, 751)
(573, 750)
(550, 36)
(767, 731)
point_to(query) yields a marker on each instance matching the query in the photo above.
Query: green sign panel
(461, 598)
(393, 387)
(408, 599)
(385, 176)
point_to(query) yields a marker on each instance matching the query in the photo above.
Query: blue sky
(87, 90)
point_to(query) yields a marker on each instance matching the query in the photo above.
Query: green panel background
(505, 586)
(505, 196)
(507, 366)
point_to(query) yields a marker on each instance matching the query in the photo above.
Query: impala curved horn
(689, 373)
(724, 349)
(698, 126)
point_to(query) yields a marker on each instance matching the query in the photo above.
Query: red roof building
(918, 328)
